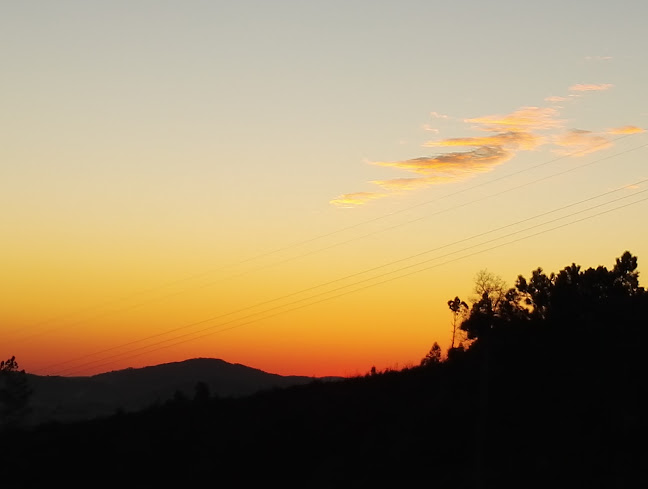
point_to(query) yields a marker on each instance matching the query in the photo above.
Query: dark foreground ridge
(552, 392)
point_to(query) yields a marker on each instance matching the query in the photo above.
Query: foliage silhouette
(14, 394)
(433, 357)
(459, 309)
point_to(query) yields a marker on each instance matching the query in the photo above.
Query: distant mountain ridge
(73, 398)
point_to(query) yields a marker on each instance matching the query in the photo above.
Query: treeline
(548, 389)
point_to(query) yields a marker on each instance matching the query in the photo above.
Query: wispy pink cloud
(584, 87)
(598, 58)
(578, 142)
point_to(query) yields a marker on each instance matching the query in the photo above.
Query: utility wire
(310, 298)
(356, 274)
(373, 233)
(301, 291)
(307, 241)
(369, 286)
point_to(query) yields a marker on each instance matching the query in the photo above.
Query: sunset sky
(302, 186)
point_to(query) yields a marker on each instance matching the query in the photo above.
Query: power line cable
(370, 285)
(301, 291)
(313, 239)
(375, 277)
(442, 211)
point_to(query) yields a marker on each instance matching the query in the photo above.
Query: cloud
(626, 130)
(523, 129)
(577, 142)
(358, 198)
(453, 164)
(429, 128)
(513, 132)
(445, 168)
(524, 140)
(525, 119)
(598, 58)
(590, 87)
(413, 183)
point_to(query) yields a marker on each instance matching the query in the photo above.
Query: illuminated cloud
(445, 168)
(358, 198)
(556, 98)
(579, 143)
(513, 132)
(479, 160)
(523, 129)
(590, 87)
(413, 183)
(526, 119)
(598, 58)
(626, 130)
(523, 140)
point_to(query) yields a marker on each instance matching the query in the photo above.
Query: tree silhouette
(481, 318)
(574, 299)
(493, 300)
(14, 393)
(433, 357)
(458, 308)
(490, 284)
(536, 292)
(626, 275)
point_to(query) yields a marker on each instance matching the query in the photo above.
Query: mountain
(74, 398)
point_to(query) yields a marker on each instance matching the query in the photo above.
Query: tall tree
(458, 308)
(490, 284)
(491, 294)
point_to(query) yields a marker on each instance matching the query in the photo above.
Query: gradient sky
(187, 179)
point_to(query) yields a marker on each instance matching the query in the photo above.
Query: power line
(369, 286)
(174, 340)
(313, 239)
(301, 291)
(373, 233)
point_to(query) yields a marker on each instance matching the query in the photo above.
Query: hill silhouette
(57, 398)
(552, 392)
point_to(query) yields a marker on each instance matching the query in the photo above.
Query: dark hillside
(76, 398)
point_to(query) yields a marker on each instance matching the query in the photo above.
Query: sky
(301, 187)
